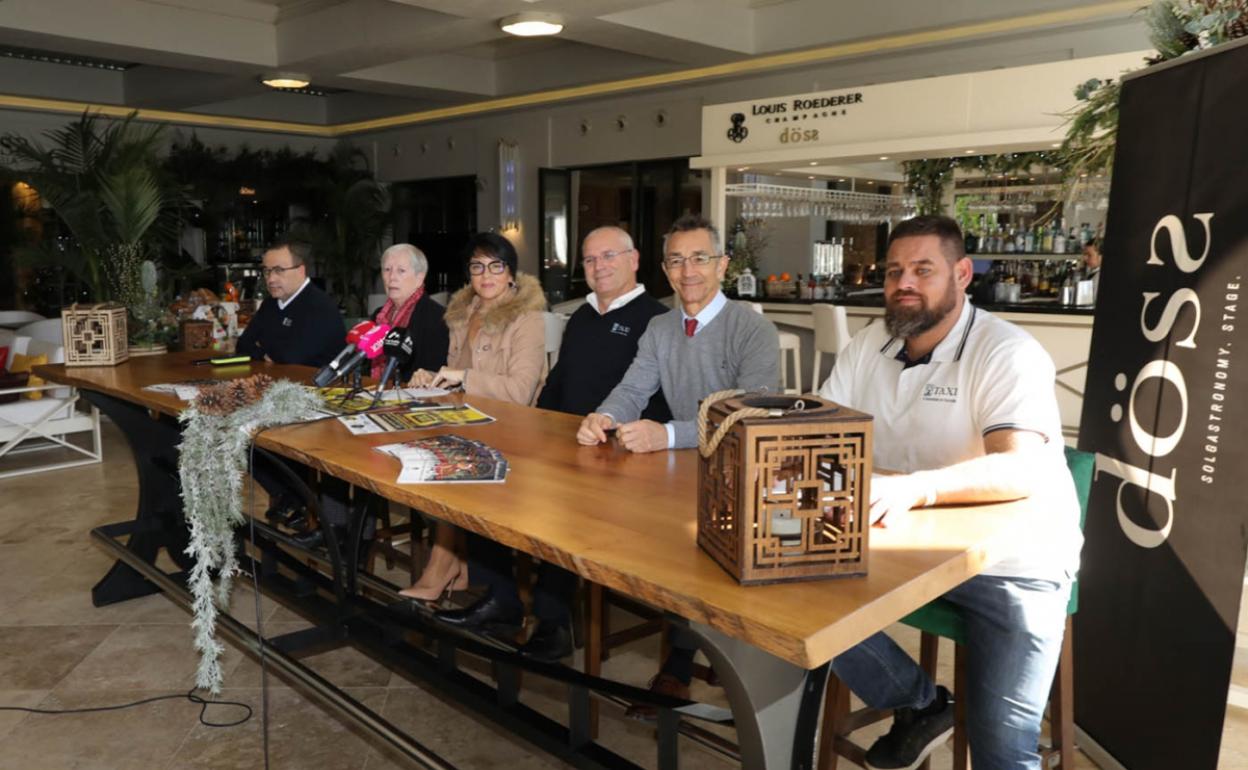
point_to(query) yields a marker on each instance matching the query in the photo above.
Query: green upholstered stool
(942, 619)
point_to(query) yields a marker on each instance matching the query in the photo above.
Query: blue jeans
(1014, 637)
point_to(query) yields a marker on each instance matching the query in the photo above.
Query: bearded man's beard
(907, 322)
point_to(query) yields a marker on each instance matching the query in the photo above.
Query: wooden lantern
(195, 335)
(783, 492)
(95, 335)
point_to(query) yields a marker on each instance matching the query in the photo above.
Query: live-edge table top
(626, 521)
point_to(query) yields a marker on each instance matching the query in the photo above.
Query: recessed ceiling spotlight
(286, 80)
(969, 152)
(883, 157)
(814, 163)
(1056, 144)
(532, 24)
(810, 177)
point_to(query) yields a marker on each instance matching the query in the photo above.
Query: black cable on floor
(190, 696)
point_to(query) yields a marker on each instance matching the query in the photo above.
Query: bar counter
(1064, 331)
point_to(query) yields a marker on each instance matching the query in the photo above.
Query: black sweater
(595, 352)
(428, 329)
(308, 331)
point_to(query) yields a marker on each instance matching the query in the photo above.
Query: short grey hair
(420, 264)
(691, 222)
(618, 232)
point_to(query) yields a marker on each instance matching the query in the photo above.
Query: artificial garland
(212, 462)
(1176, 28)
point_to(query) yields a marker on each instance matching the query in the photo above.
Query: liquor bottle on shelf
(1046, 245)
(1073, 244)
(1020, 239)
(1059, 240)
(1009, 241)
(970, 242)
(1029, 241)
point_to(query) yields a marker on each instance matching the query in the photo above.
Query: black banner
(1164, 411)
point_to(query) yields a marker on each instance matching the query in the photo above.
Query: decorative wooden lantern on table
(95, 335)
(195, 335)
(783, 489)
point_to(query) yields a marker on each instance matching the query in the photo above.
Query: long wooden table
(628, 522)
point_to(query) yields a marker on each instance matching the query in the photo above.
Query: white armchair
(40, 425)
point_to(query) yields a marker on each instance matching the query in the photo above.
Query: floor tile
(128, 739)
(40, 657)
(137, 657)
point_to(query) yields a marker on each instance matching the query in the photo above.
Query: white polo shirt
(985, 375)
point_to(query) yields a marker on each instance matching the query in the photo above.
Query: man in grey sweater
(706, 345)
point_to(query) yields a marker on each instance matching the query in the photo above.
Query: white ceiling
(383, 57)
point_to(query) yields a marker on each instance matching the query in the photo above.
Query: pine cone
(214, 400)
(1239, 27)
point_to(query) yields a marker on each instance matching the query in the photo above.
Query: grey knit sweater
(739, 348)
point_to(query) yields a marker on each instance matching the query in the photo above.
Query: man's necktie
(691, 325)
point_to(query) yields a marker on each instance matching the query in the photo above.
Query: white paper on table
(406, 393)
(185, 392)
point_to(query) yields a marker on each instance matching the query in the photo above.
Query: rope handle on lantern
(707, 447)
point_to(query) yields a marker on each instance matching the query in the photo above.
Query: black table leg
(158, 521)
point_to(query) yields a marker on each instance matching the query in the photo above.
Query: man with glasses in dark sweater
(599, 344)
(298, 323)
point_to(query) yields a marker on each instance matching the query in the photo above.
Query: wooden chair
(942, 618)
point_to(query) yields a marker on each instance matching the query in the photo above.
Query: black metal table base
(774, 704)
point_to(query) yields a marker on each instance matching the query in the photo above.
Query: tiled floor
(59, 652)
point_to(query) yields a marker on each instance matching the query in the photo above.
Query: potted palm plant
(104, 183)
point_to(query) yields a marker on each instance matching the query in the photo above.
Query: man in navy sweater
(298, 323)
(598, 346)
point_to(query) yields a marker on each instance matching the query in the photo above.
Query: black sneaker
(914, 735)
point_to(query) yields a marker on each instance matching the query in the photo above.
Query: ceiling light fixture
(883, 157)
(286, 80)
(532, 24)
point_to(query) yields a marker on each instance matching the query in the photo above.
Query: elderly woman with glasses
(408, 306)
(497, 350)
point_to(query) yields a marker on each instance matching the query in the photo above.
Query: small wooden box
(786, 497)
(195, 335)
(95, 335)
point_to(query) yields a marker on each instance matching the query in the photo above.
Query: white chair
(569, 307)
(554, 337)
(29, 426)
(831, 336)
(48, 330)
(790, 345)
(11, 319)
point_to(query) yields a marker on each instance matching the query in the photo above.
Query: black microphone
(398, 351)
(329, 372)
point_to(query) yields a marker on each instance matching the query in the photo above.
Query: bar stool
(831, 336)
(790, 349)
(943, 618)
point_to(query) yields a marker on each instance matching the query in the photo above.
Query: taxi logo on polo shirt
(946, 393)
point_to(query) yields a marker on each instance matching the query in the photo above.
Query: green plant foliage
(104, 182)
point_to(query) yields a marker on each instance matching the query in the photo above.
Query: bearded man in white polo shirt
(965, 410)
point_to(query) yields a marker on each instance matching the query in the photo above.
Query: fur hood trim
(526, 296)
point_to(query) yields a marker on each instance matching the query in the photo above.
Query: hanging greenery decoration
(926, 180)
(212, 462)
(1176, 28)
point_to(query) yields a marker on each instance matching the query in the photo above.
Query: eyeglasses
(496, 267)
(278, 271)
(606, 257)
(697, 260)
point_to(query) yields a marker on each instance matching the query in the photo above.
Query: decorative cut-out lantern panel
(784, 493)
(94, 335)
